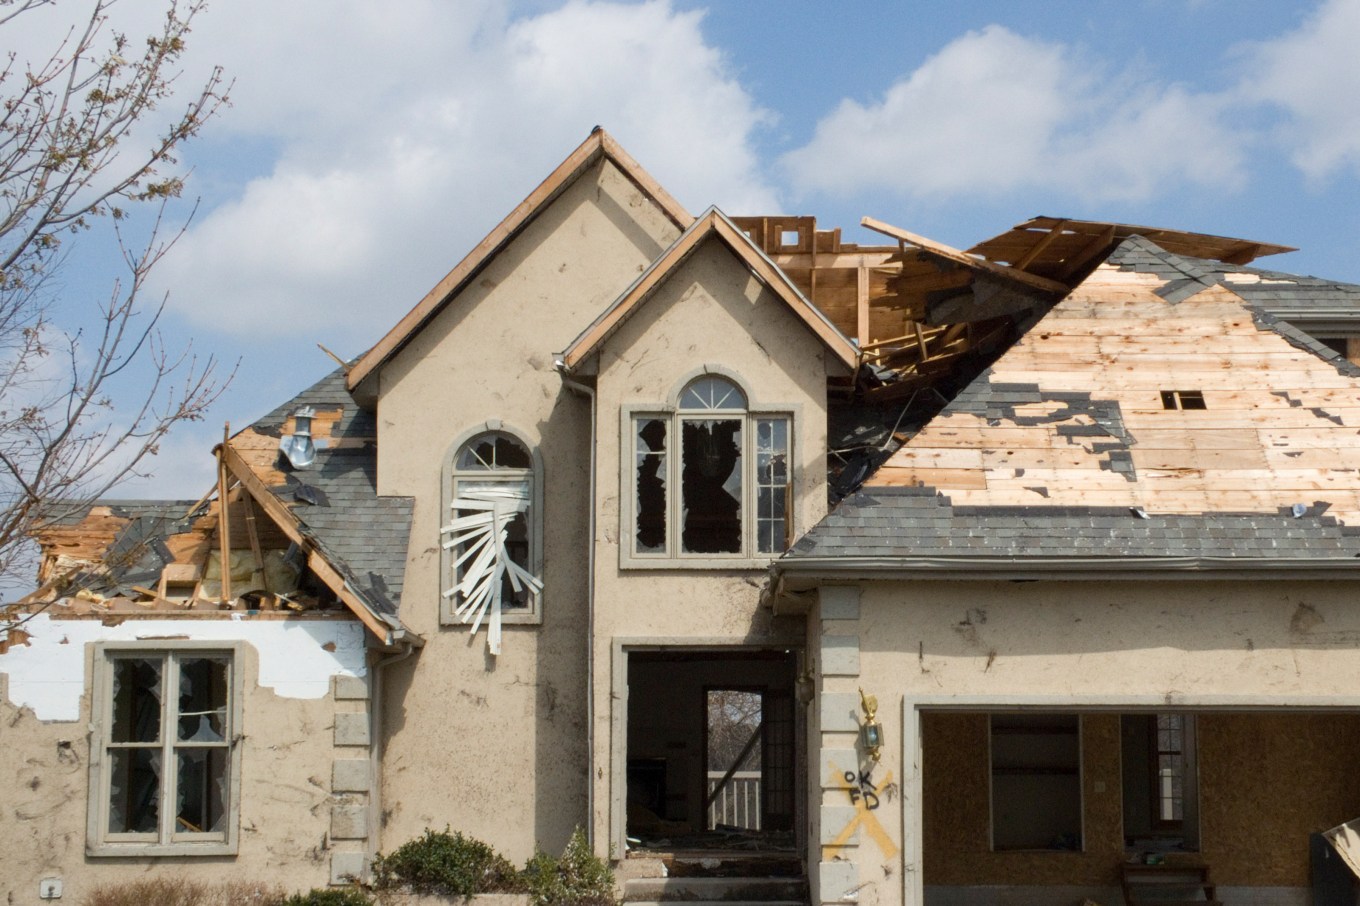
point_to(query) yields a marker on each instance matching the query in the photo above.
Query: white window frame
(168, 841)
(672, 557)
(533, 614)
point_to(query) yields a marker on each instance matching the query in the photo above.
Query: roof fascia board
(599, 144)
(711, 223)
(1066, 568)
(949, 253)
(317, 561)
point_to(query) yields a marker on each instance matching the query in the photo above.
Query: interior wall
(666, 715)
(1267, 781)
(955, 773)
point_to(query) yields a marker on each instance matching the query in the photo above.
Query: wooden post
(223, 520)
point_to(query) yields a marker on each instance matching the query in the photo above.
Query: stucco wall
(495, 746)
(1210, 646)
(293, 819)
(710, 312)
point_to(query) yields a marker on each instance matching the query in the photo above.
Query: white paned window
(490, 535)
(712, 478)
(164, 771)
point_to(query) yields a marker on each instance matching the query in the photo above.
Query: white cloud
(1313, 73)
(404, 133)
(995, 112)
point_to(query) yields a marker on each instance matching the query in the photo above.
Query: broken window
(731, 469)
(490, 535)
(165, 734)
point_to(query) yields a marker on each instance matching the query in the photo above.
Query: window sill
(691, 563)
(507, 619)
(153, 850)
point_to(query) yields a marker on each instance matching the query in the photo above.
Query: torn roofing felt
(1311, 302)
(335, 500)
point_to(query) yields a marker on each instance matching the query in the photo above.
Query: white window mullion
(169, 730)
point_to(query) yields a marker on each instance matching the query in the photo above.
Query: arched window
(712, 477)
(490, 534)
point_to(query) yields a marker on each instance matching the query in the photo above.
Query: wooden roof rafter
(939, 250)
(235, 466)
(712, 223)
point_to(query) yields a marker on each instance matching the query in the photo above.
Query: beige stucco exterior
(495, 746)
(1269, 667)
(301, 803)
(521, 746)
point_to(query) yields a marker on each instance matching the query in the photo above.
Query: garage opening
(711, 750)
(1062, 806)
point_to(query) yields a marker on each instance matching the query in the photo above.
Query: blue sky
(369, 146)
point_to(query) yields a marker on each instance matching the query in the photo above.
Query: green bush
(335, 896)
(446, 863)
(578, 878)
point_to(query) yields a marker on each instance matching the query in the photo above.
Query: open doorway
(711, 750)
(1160, 781)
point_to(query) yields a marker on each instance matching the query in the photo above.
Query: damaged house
(904, 574)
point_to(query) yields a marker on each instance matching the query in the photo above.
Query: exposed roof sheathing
(1072, 423)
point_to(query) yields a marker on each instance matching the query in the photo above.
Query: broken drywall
(297, 657)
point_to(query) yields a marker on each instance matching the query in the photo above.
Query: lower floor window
(165, 766)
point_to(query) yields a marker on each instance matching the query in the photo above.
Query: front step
(729, 891)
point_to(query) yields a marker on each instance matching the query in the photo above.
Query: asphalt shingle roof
(362, 534)
(917, 522)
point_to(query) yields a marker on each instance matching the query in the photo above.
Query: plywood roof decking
(1072, 415)
(1062, 248)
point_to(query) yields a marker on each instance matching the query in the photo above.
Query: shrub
(579, 878)
(446, 863)
(183, 892)
(335, 896)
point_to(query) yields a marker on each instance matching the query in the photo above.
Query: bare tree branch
(70, 156)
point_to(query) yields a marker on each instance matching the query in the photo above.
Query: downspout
(589, 392)
(376, 693)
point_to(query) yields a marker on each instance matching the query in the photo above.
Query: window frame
(533, 614)
(99, 841)
(672, 413)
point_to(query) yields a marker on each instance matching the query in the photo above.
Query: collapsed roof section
(1156, 412)
(301, 533)
(1068, 250)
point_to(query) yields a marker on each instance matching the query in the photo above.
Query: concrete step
(729, 891)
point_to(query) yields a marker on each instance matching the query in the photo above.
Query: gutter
(587, 391)
(1063, 568)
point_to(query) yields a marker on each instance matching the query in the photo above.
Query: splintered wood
(1077, 413)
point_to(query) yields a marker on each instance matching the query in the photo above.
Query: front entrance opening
(711, 750)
